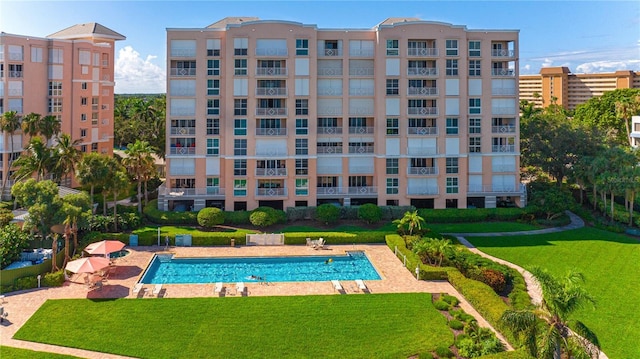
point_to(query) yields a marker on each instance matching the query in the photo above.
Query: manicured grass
(610, 263)
(388, 227)
(16, 353)
(171, 231)
(330, 326)
(481, 227)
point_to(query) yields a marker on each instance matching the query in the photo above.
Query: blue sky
(586, 36)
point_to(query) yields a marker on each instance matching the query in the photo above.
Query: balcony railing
(271, 91)
(15, 56)
(361, 92)
(271, 172)
(364, 71)
(361, 52)
(503, 148)
(272, 52)
(424, 131)
(422, 110)
(15, 92)
(503, 72)
(422, 171)
(362, 191)
(502, 53)
(422, 71)
(183, 72)
(421, 151)
(361, 130)
(422, 191)
(329, 91)
(271, 71)
(503, 91)
(503, 129)
(271, 192)
(271, 111)
(183, 52)
(423, 52)
(422, 91)
(331, 52)
(105, 63)
(271, 151)
(15, 73)
(330, 72)
(329, 130)
(360, 149)
(182, 171)
(183, 130)
(503, 110)
(184, 192)
(271, 131)
(182, 151)
(493, 189)
(330, 191)
(328, 150)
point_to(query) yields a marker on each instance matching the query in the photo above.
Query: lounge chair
(319, 244)
(137, 288)
(337, 286)
(361, 285)
(3, 314)
(218, 287)
(309, 242)
(156, 289)
(240, 288)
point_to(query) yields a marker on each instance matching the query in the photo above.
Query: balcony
(493, 189)
(271, 91)
(329, 91)
(183, 131)
(272, 52)
(178, 193)
(330, 72)
(422, 151)
(330, 110)
(330, 191)
(271, 172)
(360, 149)
(328, 150)
(502, 53)
(362, 72)
(503, 91)
(361, 110)
(503, 148)
(503, 111)
(182, 151)
(271, 71)
(361, 130)
(503, 129)
(271, 111)
(15, 73)
(329, 169)
(271, 131)
(361, 52)
(422, 131)
(503, 72)
(271, 192)
(361, 92)
(362, 191)
(422, 91)
(271, 151)
(361, 170)
(183, 52)
(183, 72)
(329, 130)
(422, 111)
(423, 52)
(330, 52)
(422, 171)
(422, 71)
(423, 191)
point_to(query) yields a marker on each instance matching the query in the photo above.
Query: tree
(115, 184)
(210, 217)
(76, 208)
(49, 126)
(67, 156)
(547, 331)
(93, 169)
(432, 250)
(9, 124)
(370, 213)
(31, 124)
(12, 241)
(410, 221)
(327, 213)
(37, 158)
(137, 161)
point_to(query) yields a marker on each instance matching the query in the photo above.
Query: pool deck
(395, 279)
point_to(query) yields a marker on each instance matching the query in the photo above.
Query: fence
(273, 239)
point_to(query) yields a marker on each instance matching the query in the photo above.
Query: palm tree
(137, 161)
(31, 124)
(93, 169)
(49, 126)
(410, 221)
(116, 183)
(75, 208)
(37, 158)
(625, 108)
(67, 156)
(9, 123)
(432, 250)
(548, 332)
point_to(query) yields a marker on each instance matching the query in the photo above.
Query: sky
(586, 36)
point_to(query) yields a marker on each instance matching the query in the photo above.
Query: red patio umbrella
(104, 247)
(87, 265)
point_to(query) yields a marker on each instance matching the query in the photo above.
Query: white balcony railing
(329, 130)
(271, 172)
(15, 73)
(330, 191)
(361, 130)
(422, 111)
(183, 72)
(271, 151)
(493, 188)
(503, 72)
(15, 92)
(183, 130)
(424, 131)
(423, 191)
(331, 52)
(502, 53)
(503, 148)
(185, 192)
(182, 151)
(271, 131)
(330, 71)
(328, 150)
(503, 129)
(329, 91)
(362, 191)
(423, 52)
(274, 52)
(422, 151)
(273, 111)
(360, 149)
(422, 71)
(271, 91)
(271, 192)
(422, 91)
(422, 171)
(183, 52)
(363, 71)
(271, 71)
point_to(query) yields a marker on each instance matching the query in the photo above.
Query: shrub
(153, 214)
(12, 241)
(370, 213)
(300, 213)
(455, 324)
(327, 213)
(266, 216)
(6, 216)
(444, 352)
(349, 212)
(210, 217)
(55, 279)
(237, 217)
(441, 305)
(491, 277)
(453, 301)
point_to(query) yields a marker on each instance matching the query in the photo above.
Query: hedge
(155, 215)
(336, 237)
(459, 215)
(516, 354)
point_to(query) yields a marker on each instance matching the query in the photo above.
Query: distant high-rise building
(570, 90)
(68, 74)
(283, 114)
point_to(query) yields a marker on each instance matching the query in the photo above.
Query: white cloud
(547, 62)
(607, 66)
(133, 74)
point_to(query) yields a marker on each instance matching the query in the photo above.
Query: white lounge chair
(337, 286)
(319, 244)
(361, 285)
(156, 289)
(240, 288)
(218, 287)
(137, 288)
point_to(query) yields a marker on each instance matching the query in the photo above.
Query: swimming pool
(164, 269)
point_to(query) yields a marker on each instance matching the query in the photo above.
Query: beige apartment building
(284, 114)
(68, 74)
(571, 90)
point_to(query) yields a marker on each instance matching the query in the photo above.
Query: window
(213, 126)
(55, 56)
(83, 132)
(83, 148)
(474, 145)
(240, 187)
(213, 87)
(15, 70)
(452, 126)
(302, 166)
(392, 186)
(452, 184)
(239, 167)
(302, 126)
(451, 47)
(94, 147)
(392, 86)
(55, 88)
(302, 146)
(213, 47)
(302, 186)
(474, 48)
(213, 67)
(83, 101)
(83, 85)
(452, 67)
(240, 67)
(392, 48)
(83, 117)
(213, 147)
(240, 46)
(239, 147)
(302, 107)
(240, 107)
(452, 165)
(474, 125)
(474, 106)
(213, 107)
(213, 185)
(392, 166)
(474, 67)
(36, 54)
(392, 126)
(302, 47)
(240, 128)
(55, 105)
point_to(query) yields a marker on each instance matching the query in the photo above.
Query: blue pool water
(167, 270)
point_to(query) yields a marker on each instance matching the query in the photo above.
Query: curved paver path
(533, 287)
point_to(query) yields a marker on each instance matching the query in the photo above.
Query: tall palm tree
(67, 156)
(37, 158)
(137, 160)
(75, 209)
(31, 124)
(49, 127)
(626, 108)
(548, 332)
(93, 169)
(116, 183)
(9, 123)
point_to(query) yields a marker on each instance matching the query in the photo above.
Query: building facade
(570, 90)
(283, 114)
(68, 74)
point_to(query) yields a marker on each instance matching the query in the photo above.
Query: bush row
(336, 237)
(459, 215)
(55, 279)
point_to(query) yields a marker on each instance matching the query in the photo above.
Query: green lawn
(611, 265)
(16, 353)
(333, 326)
(481, 227)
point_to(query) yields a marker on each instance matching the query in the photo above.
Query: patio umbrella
(104, 247)
(87, 265)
